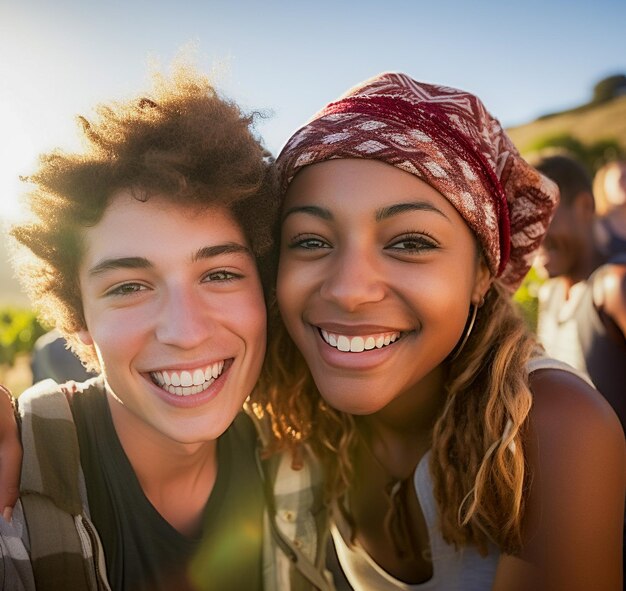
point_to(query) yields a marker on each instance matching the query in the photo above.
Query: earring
(468, 329)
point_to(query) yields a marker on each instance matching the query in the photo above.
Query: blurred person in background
(582, 307)
(52, 358)
(609, 188)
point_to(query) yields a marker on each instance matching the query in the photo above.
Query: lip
(191, 400)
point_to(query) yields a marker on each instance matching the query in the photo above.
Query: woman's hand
(10, 455)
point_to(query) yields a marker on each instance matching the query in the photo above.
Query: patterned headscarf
(447, 138)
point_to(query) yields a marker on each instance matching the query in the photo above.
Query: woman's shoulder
(564, 401)
(573, 519)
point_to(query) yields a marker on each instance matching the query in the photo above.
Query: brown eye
(413, 243)
(126, 289)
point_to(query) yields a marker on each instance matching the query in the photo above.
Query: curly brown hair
(183, 141)
(477, 446)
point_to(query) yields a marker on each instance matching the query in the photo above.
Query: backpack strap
(294, 506)
(64, 547)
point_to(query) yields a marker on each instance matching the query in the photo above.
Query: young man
(143, 252)
(582, 313)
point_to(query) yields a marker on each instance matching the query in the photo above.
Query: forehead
(158, 226)
(363, 185)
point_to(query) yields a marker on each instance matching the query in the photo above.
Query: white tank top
(453, 570)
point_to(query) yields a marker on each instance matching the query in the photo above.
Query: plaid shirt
(60, 548)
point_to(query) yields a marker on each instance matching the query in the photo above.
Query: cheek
(251, 318)
(291, 285)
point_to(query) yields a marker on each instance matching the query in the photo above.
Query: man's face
(564, 243)
(175, 311)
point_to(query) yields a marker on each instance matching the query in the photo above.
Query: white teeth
(186, 382)
(343, 343)
(198, 377)
(186, 379)
(357, 344)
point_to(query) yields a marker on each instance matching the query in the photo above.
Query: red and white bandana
(447, 138)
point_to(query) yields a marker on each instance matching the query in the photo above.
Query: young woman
(455, 457)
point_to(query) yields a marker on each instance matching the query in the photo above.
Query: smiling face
(377, 271)
(174, 308)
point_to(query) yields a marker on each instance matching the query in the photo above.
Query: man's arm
(609, 294)
(10, 455)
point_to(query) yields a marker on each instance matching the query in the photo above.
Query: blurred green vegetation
(19, 329)
(593, 155)
(526, 297)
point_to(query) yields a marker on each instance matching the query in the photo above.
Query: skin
(354, 264)
(10, 456)
(375, 266)
(615, 184)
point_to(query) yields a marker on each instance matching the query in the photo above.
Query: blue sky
(289, 58)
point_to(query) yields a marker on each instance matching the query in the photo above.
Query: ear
(482, 282)
(85, 337)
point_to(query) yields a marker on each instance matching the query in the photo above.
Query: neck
(399, 434)
(177, 478)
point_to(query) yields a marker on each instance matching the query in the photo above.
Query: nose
(353, 279)
(184, 320)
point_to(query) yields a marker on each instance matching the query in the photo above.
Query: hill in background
(601, 122)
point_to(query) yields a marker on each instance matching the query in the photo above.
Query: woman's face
(377, 271)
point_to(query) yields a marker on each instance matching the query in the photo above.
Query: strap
(55, 547)
(300, 561)
(543, 362)
(51, 493)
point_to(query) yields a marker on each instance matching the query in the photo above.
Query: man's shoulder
(609, 289)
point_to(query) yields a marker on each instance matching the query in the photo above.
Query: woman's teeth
(359, 343)
(184, 383)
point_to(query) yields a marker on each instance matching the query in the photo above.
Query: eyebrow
(314, 210)
(381, 214)
(205, 252)
(386, 212)
(208, 252)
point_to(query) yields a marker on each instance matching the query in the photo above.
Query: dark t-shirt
(143, 551)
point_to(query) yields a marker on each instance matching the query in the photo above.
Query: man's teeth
(184, 383)
(359, 343)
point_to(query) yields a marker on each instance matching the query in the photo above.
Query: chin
(353, 404)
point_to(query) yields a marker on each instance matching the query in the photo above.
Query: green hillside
(589, 124)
